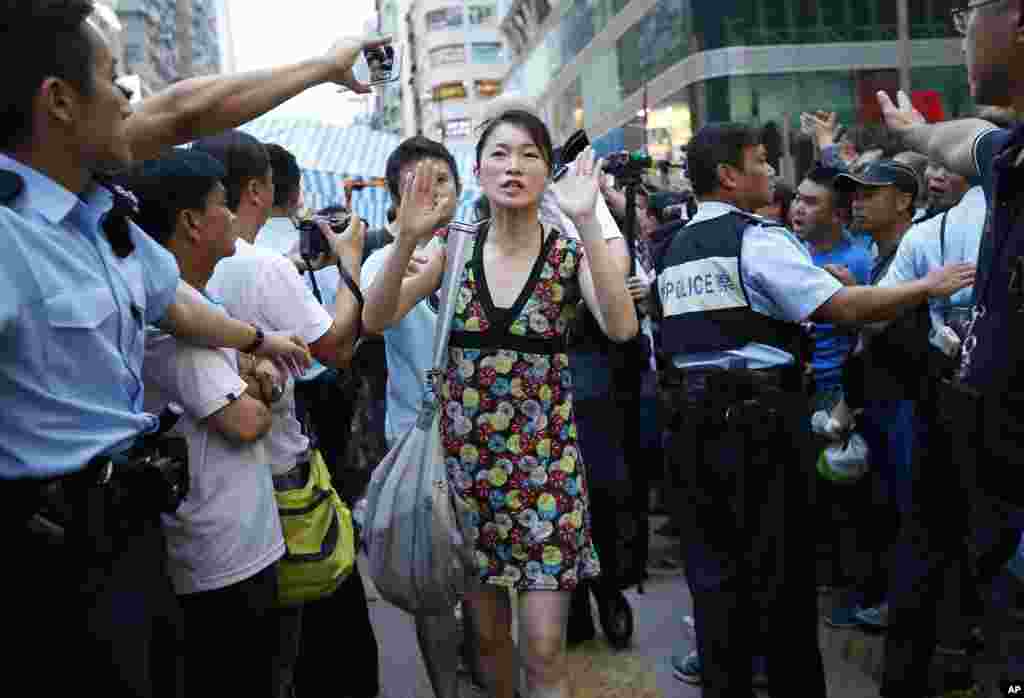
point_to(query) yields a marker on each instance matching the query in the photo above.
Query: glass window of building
(445, 18)
(487, 52)
(578, 26)
(458, 128)
(488, 88)
(454, 54)
(482, 14)
(449, 90)
(659, 40)
(765, 22)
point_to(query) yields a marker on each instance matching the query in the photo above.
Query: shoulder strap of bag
(460, 237)
(942, 239)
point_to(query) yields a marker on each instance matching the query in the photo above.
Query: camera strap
(942, 240)
(312, 277)
(354, 288)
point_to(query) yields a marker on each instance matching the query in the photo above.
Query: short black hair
(178, 181)
(714, 145)
(243, 157)
(825, 176)
(525, 120)
(40, 39)
(287, 174)
(413, 150)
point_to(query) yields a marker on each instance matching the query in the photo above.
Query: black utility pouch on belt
(114, 495)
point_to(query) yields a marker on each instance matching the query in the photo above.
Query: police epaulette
(11, 185)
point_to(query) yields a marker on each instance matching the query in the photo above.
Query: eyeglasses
(962, 15)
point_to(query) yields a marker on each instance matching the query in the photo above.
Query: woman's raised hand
(577, 192)
(424, 209)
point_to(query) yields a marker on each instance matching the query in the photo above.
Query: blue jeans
(889, 429)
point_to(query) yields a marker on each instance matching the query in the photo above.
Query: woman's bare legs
(543, 618)
(492, 614)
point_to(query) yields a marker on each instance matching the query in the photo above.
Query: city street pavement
(853, 659)
(849, 657)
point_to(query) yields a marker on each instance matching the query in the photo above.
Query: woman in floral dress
(507, 401)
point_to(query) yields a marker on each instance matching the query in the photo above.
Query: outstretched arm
(949, 142)
(203, 106)
(860, 305)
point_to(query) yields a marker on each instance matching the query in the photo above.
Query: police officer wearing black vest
(733, 290)
(986, 396)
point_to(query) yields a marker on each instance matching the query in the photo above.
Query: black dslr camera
(627, 167)
(312, 242)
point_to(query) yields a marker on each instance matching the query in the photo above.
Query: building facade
(388, 106)
(648, 73)
(165, 41)
(455, 61)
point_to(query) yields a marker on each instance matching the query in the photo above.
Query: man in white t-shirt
(325, 404)
(264, 288)
(225, 539)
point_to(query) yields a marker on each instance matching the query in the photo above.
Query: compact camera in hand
(378, 65)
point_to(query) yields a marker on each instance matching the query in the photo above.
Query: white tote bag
(420, 558)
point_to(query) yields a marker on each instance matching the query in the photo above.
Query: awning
(329, 154)
(353, 151)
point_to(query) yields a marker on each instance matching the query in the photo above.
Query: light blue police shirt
(72, 328)
(920, 251)
(781, 281)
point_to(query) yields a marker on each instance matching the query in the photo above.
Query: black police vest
(993, 354)
(703, 302)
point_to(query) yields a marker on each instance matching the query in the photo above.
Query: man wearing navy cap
(884, 194)
(224, 541)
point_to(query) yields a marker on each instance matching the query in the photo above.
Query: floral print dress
(508, 428)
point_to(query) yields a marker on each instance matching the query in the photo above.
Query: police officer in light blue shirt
(733, 290)
(78, 285)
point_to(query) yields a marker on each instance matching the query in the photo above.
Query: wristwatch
(256, 343)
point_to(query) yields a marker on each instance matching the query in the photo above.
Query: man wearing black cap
(224, 542)
(887, 385)
(883, 205)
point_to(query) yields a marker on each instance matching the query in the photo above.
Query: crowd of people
(818, 384)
